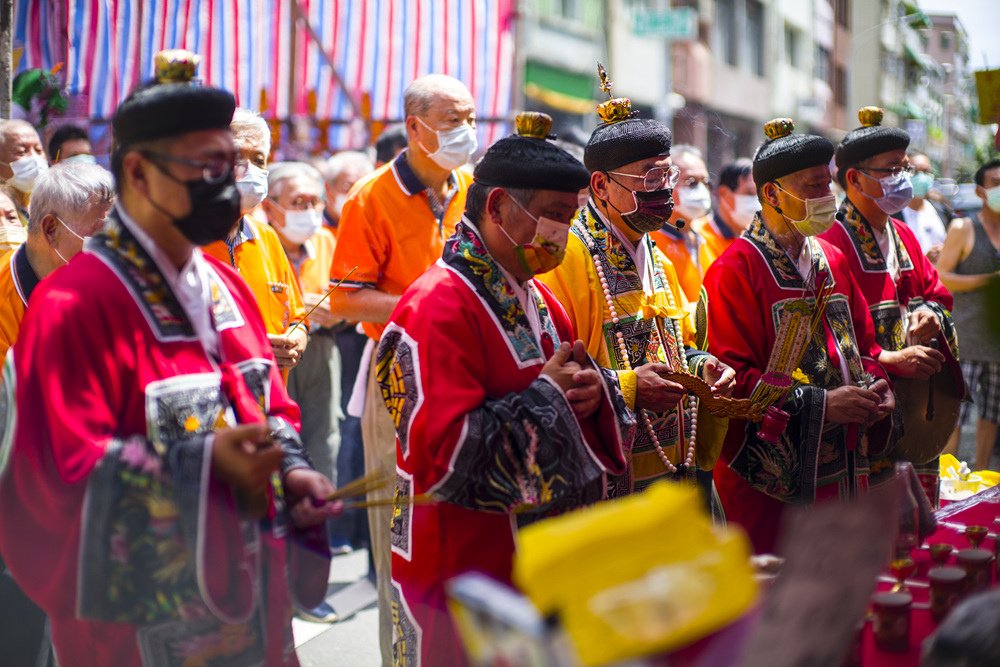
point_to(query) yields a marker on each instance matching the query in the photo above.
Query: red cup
(978, 566)
(947, 588)
(892, 621)
(773, 424)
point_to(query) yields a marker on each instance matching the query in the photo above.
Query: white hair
(282, 172)
(344, 160)
(683, 150)
(248, 126)
(419, 95)
(69, 190)
(14, 124)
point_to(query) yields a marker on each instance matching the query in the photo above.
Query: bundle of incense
(322, 299)
(373, 481)
(423, 499)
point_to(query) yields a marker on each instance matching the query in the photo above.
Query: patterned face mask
(547, 248)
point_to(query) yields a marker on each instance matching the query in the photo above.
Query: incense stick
(324, 297)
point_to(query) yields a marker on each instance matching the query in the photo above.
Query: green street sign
(680, 23)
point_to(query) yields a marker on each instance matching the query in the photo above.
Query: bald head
(18, 139)
(422, 93)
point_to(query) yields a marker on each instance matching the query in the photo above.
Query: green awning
(559, 89)
(906, 109)
(919, 59)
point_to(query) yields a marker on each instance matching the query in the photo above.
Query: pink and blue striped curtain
(250, 46)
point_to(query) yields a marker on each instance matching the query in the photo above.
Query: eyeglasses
(656, 178)
(212, 171)
(692, 182)
(895, 172)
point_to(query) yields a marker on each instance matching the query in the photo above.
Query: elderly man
(253, 248)
(826, 380)
(926, 218)
(392, 228)
(496, 409)
(340, 172)
(910, 306)
(70, 143)
(680, 237)
(166, 506)
(624, 300)
(69, 204)
(12, 232)
(22, 160)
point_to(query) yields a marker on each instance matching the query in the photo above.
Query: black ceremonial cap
(784, 153)
(869, 140)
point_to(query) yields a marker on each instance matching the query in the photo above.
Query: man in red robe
(500, 416)
(164, 504)
(910, 307)
(753, 292)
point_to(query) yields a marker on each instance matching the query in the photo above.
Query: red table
(981, 509)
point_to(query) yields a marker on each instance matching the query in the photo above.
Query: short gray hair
(248, 126)
(344, 160)
(13, 124)
(420, 94)
(683, 150)
(69, 189)
(282, 172)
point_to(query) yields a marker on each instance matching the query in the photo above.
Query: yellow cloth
(958, 482)
(11, 305)
(649, 574)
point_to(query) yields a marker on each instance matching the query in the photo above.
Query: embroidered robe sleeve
(523, 451)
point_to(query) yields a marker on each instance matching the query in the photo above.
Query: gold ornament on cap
(533, 124)
(778, 127)
(870, 116)
(616, 108)
(175, 65)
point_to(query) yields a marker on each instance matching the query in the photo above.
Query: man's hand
(653, 392)
(585, 396)
(561, 368)
(244, 457)
(934, 252)
(720, 377)
(924, 325)
(851, 405)
(322, 315)
(886, 400)
(288, 348)
(308, 490)
(916, 361)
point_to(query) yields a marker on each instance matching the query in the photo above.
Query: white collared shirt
(190, 284)
(638, 253)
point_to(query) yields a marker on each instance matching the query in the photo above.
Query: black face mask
(652, 209)
(215, 209)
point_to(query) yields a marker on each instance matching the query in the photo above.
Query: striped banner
(271, 62)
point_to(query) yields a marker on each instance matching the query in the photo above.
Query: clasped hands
(571, 368)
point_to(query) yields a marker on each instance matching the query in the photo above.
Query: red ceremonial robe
(917, 286)
(112, 520)
(480, 430)
(745, 291)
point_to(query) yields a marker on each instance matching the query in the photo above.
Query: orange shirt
(673, 243)
(314, 270)
(390, 231)
(257, 254)
(716, 237)
(17, 280)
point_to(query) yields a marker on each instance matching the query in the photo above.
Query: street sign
(679, 23)
(988, 87)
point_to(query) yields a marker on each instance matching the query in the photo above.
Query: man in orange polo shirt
(69, 203)
(392, 228)
(679, 238)
(254, 250)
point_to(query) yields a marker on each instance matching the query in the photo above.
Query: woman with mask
(774, 270)
(909, 305)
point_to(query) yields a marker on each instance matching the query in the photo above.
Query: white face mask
(300, 226)
(693, 201)
(745, 208)
(12, 236)
(80, 158)
(820, 214)
(455, 147)
(252, 187)
(26, 172)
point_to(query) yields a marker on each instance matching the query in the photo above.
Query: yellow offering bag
(636, 576)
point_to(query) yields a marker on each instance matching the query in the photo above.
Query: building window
(946, 41)
(839, 86)
(792, 46)
(755, 36)
(569, 9)
(842, 13)
(823, 64)
(726, 39)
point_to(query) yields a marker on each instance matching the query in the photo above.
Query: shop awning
(564, 91)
